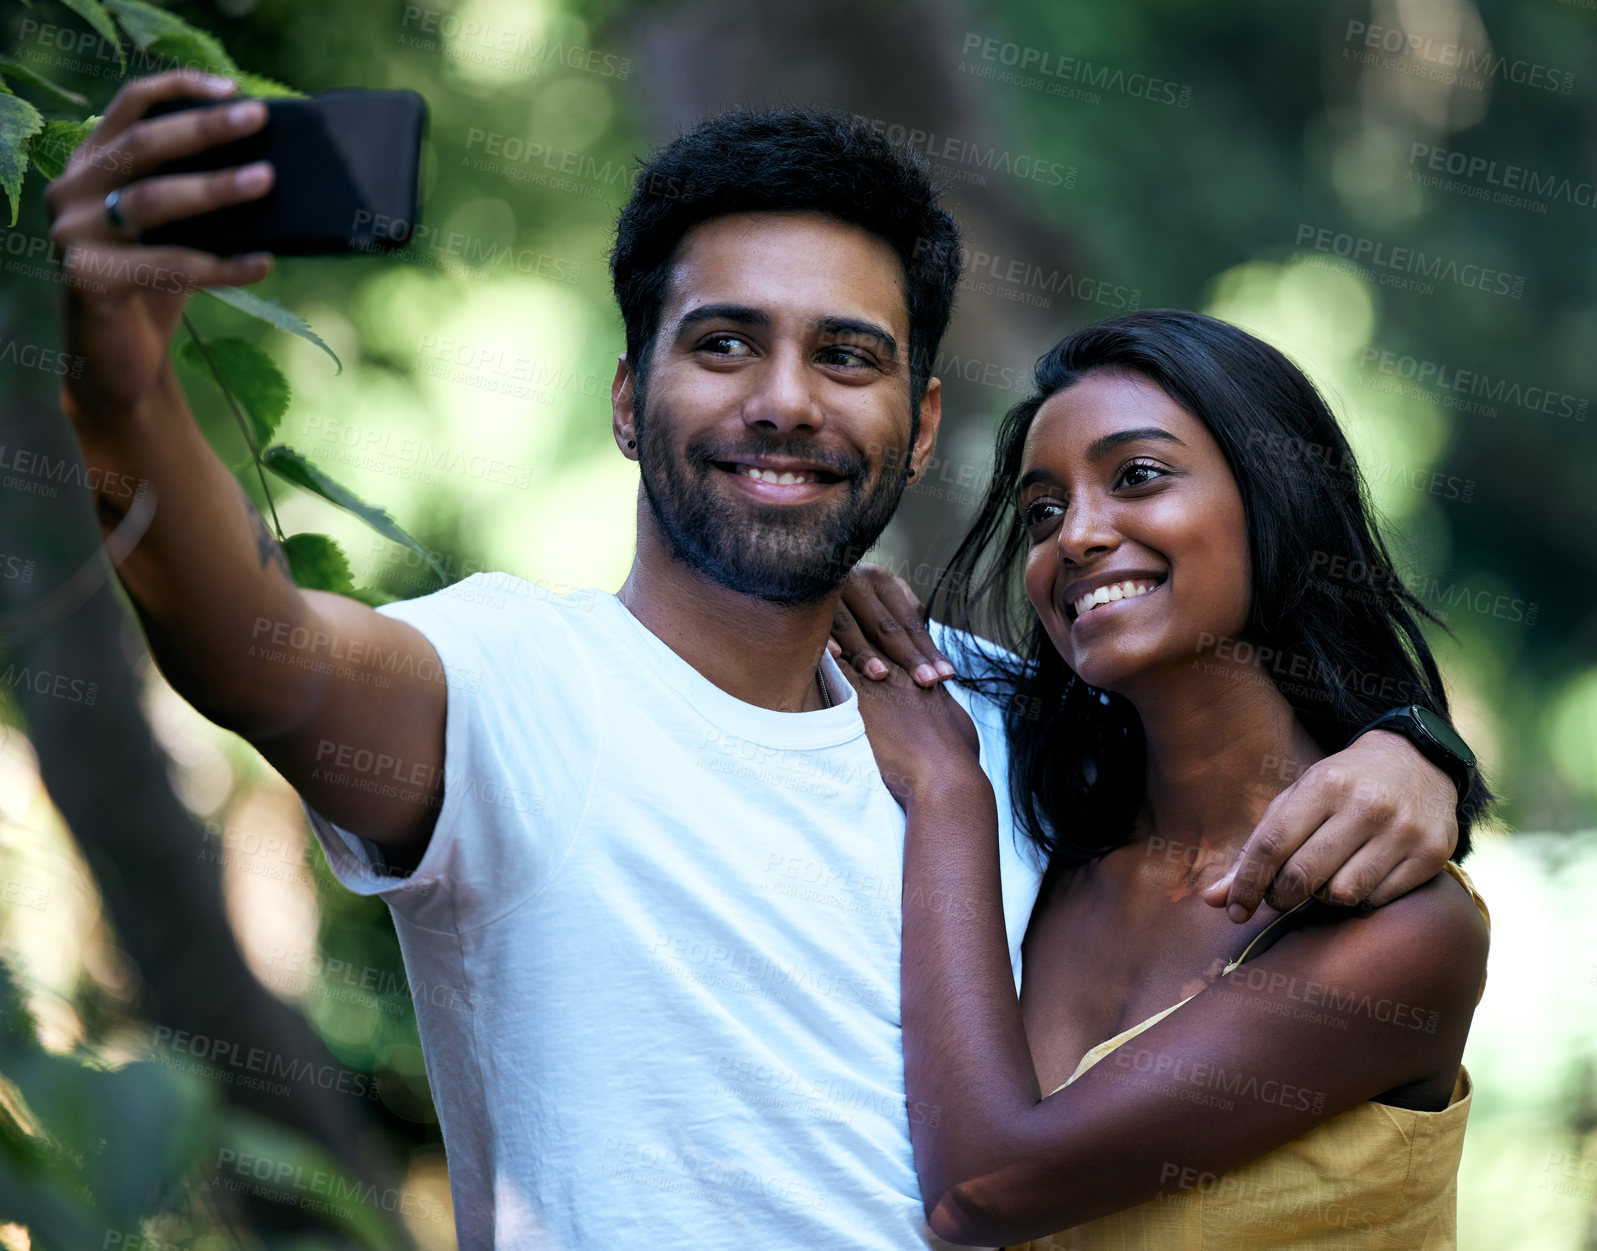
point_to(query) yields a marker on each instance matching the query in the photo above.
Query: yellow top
(1373, 1177)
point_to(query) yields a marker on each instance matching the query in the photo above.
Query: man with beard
(643, 869)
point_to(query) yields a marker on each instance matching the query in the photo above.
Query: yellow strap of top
(1273, 931)
(1462, 879)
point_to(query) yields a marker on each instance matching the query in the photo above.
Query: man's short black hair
(786, 160)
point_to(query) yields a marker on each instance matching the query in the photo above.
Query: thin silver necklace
(826, 695)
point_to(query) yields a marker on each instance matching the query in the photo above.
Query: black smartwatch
(1436, 740)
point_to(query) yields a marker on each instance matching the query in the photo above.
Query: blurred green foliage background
(163, 912)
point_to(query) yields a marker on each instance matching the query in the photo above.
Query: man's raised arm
(288, 669)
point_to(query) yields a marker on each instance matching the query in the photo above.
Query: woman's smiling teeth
(1129, 589)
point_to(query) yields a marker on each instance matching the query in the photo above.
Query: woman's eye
(1140, 473)
(1038, 511)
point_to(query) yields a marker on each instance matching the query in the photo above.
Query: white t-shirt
(654, 942)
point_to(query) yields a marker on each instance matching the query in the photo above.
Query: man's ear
(931, 416)
(622, 423)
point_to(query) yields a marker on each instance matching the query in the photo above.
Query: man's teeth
(1109, 594)
(785, 478)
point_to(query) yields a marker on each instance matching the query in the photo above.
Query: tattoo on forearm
(266, 547)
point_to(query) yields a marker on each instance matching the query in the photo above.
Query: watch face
(1444, 734)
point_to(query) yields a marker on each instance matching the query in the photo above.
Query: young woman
(1207, 610)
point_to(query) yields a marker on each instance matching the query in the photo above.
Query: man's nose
(784, 394)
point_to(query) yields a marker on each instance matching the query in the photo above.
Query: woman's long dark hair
(1331, 621)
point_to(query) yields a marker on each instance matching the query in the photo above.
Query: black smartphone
(347, 166)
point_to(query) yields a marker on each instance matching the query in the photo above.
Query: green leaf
(19, 122)
(167, 35)
(354, 1207)
(273, 313)
(53, 146)
(257, 85)
(155, 1124)
(251, 375)
(84, 1148)
(318, 563)
(286, 463)
(93, 12)
(22, 73)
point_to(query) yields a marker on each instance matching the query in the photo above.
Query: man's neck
(762, 653)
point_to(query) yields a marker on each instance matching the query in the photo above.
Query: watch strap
(1403, 721)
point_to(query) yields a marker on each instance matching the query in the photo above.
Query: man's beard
(784, 553)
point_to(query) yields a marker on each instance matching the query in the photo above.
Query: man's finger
(104, 159)
(111, 270)
(1351, 885)
(1404, 877)
(134, 99)
(1336, 843)
(152, 202)
(1285, 826)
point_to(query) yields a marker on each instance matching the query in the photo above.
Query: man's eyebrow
(740, 314)
(1102, 447)
(853, 327)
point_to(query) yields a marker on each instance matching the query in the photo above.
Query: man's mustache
(802, 448)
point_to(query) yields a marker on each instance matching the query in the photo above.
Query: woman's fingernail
(944, 668)
(875, 668)
(925, 674)
(1237, 913)
(215, 82)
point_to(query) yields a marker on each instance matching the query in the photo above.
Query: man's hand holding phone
(122, 300)
(206, 571)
